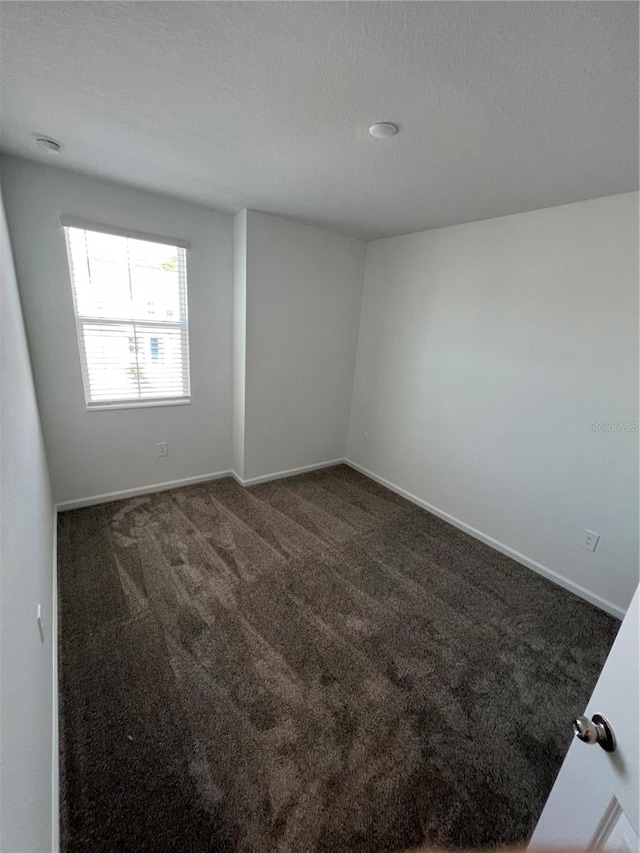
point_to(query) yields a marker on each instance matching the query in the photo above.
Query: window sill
(138, 404)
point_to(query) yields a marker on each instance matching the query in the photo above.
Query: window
(130, 299)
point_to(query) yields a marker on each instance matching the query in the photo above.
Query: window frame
(182, 325)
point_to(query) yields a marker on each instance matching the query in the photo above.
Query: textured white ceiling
(503, 107)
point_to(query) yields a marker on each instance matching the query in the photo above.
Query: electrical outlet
(366, 439)
(163, 448)
(589, 540)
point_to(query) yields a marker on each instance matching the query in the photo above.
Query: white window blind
(130, 298)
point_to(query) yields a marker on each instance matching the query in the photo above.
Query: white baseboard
(279, 475)
(141, 490)
(55, 738)
(561, 580)
(93, 500)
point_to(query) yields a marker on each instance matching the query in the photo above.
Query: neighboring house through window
(130, 300)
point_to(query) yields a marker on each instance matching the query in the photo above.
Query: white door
(595, 800)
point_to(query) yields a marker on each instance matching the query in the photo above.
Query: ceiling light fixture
(48, 144)
(383, 130)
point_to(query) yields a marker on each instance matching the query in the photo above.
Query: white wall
(303, 291)
(239, 338)
(98, 452)
(26, 580)
(485, 353)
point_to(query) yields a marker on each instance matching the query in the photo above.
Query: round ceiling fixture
(48, 144)
(383, 130)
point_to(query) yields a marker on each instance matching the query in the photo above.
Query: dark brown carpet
(313, 664)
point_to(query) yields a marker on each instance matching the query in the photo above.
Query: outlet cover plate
(589, 540)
